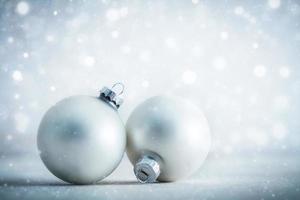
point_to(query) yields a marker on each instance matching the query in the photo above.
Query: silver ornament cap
(111, 96)
(146, 170)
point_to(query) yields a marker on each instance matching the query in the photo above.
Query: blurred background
(237, 60)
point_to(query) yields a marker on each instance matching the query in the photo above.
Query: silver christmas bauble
(168, 138)
(82, 139)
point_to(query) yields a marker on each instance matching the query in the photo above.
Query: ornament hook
(121, 88)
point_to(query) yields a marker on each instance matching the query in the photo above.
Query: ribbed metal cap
(146, 170)
(111, 97)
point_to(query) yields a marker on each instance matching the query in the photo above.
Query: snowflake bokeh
(237, 60)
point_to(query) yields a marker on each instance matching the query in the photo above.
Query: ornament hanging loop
(118, 88)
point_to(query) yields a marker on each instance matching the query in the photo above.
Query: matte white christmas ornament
(168, 138)
(82, 139)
